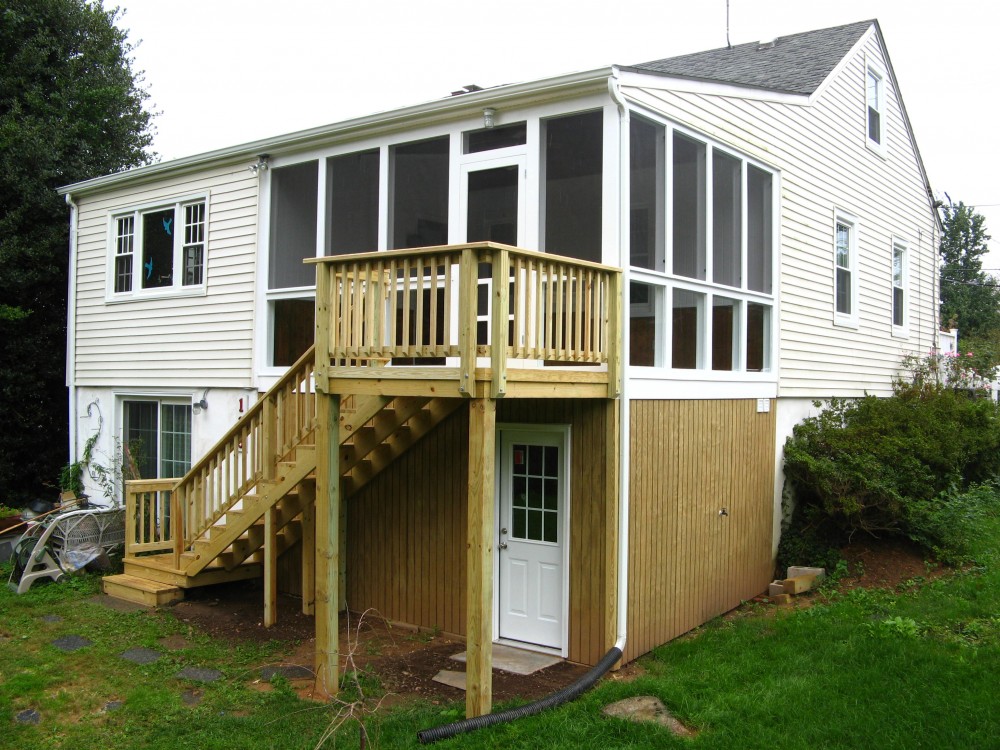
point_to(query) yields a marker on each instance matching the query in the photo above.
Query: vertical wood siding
(688, 563)
(824, 163)
(406, 529)
(175, 340)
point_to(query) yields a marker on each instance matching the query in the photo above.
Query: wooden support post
(327, 542)
(342, 547)
(270, 567)
(479, 584)
(468, 290)
(269, 438)
(612, 492)
(500, 320)
(307, 491)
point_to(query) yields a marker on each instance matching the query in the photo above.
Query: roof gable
(796, 64)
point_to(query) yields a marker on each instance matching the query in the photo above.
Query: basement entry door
(532, 529)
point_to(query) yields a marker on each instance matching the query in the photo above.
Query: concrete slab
(646, 709)
(451, 679)
(71, 643)
(517, 660)
(141, 655)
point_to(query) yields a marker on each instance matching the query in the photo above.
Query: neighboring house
(565, 451)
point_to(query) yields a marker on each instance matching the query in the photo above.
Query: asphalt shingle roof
(795, 64)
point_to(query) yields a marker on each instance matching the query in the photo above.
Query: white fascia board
(662, 82)
(394, 120)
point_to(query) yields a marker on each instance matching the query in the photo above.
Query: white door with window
(532, 567)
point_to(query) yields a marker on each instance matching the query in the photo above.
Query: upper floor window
(160, 248)
(875, 107)
(899, 288)
(845, 270)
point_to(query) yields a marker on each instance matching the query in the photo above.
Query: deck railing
(148, 515)
(478, 300)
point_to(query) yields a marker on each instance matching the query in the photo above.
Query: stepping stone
(190, 698)
(288, 671)
(141, 655)
(71, 643)
(112, 706)
(517, 660)
(174, 642)
(647, 709)
(450, 678)
(51, 618)
(28, 716)
(199, 674)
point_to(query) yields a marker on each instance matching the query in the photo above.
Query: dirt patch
(403, 660)
(887, 563)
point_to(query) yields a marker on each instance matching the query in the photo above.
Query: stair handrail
(255, 434)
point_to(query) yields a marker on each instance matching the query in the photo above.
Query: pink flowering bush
(953, 370)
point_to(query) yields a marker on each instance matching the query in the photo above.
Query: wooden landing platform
(141, 590)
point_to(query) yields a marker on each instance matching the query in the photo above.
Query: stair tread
(142, 584)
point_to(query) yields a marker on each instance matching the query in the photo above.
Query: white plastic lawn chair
(63, 533)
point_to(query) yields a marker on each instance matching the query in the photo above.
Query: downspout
(588, 680)
(71, 326)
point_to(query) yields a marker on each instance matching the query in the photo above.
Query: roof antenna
(728, 45)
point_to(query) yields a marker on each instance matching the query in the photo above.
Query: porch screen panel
(759, 230)
(574, 156)
(727, 226)
(352, 215)
(689, 214)
(419, 204)
(294, 192)
(646, 190)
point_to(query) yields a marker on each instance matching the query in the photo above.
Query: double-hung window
(159, 249)
(900, 318)
(875, 107)
(845, 281)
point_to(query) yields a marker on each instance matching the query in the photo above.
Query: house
(550, 409)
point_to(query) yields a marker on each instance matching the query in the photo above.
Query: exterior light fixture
(488, 115)
(261, 164)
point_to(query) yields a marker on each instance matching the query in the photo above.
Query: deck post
(307, 490)
(499, 322)
(327, 542)
(479, 583)
(270, 568)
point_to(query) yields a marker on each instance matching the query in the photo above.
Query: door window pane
(574, 154)
(175, 440)
(492, 205)
(535, 492)
(352, 214)
(419, 201)
(293, 225)
(140, 436)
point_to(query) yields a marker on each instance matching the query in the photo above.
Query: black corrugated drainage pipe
(565, 695)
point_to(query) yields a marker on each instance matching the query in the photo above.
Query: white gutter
(623, 435)
(74, 217)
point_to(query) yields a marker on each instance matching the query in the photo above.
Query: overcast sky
(224, 72)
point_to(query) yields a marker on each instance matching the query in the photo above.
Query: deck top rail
(465, 311)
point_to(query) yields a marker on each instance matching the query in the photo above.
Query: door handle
(503, 545)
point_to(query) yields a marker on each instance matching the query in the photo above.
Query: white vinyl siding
(819, 151)
(163, 340)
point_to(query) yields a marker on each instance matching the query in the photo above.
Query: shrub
(889, 465)
(951, 524)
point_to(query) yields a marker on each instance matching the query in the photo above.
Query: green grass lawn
(915, 668)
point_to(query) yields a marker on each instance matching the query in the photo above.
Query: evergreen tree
(71, 108)
(970, 298)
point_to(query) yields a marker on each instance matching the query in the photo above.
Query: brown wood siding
(688, 563)
(406, 529)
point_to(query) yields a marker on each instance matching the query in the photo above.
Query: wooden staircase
(251, 495)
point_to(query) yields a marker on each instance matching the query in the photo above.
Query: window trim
(177, 288)
(850, 318)
(898, 243)
(874, 69)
